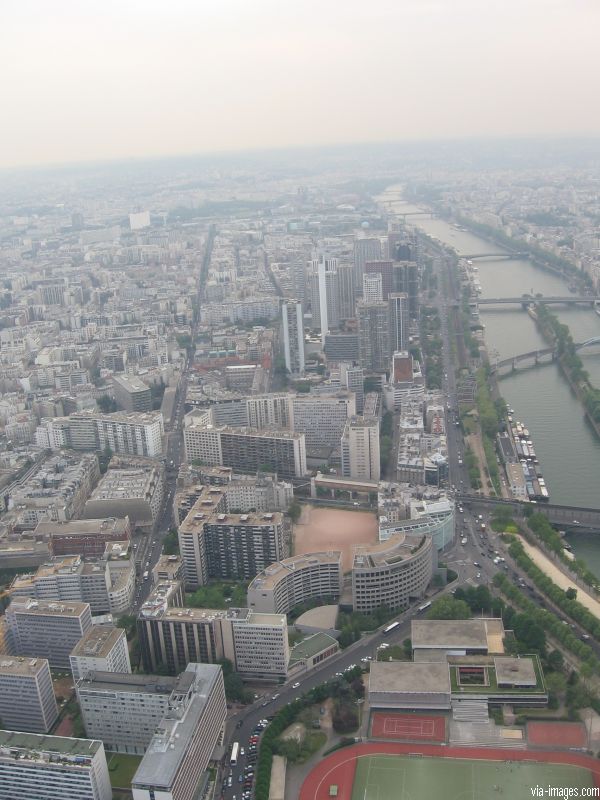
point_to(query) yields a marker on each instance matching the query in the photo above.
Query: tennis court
(381, 777)
(408, 726)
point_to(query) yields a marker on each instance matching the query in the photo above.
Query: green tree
(571, 593)
(171, 543)
(446, 607)
(295, 510)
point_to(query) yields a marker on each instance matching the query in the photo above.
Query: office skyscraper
(293, 336)
(346, 291)
(324, 295)
(364, 250)
(386, 268)
(373, 335)
(372, 287)
(399, 319)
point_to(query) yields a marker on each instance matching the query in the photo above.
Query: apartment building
(107, 584)
(127, 433)
(102, 648)
(180, 751)
(392, 573)
(285, 584)
(84, 537)
(131, 393)
(172, 636)
(42, 629)
(360, 449)
(321, 418)
(27, 701)
(247, 449)
(134, 490)
(52, 768)
(123, 710)
(293, 336)
(57, 491)
(217, 544)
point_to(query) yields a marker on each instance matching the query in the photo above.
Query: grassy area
(121, 768)
(394, 653)
(219, 594)
(492, 686)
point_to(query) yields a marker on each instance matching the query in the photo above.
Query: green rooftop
(311, 646)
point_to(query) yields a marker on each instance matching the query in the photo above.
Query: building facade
(103, 648)
(293, 336)
(41, 629)
(285, 584)
(360, 449)
(27, 701)
(52, 768)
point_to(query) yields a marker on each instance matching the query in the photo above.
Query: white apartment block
(27, 701)
(261, 646)
(183, 744)
(41, 629)
(103, 648)
(270, 411)
(52, 768)
(293, 336)
(360, 449)
(321, 418)
(133, 433)
(123, 710)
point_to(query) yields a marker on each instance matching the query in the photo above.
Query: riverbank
(544, 320)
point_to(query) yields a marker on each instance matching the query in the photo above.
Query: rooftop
(409, 677)
(169, 744)
(98, 641)
(101, 681)
(22, 666)
(311, 646)
(515, 671)
(84, 527)
(47, 607)
(36, 745)
(399, 547)
(453, 634)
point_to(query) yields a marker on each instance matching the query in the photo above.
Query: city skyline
(114, 81)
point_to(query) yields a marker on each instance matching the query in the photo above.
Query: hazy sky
(95, 79)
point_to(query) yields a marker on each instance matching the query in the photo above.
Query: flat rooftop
(35, 744)
(399, 547)
(102, 681)
(311, 646)
(13, 665)
(515, 671)
(451, 634)
(98, 641)
(84, 527)
(408, 677)
(27, 605)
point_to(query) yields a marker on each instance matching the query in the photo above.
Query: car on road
(295, 685)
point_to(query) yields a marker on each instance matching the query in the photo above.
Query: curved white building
(285, 584)
(392, 573)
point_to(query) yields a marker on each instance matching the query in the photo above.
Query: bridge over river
(569, 518)
(536, 357)
(527, 300)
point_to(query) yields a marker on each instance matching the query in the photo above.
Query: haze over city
(104, 80)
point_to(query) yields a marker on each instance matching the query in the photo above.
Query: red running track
(408, 726)
(339, 767)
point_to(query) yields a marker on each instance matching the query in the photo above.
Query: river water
(567, 448)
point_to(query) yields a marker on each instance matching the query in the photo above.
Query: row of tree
(541, 527)
(565, 600)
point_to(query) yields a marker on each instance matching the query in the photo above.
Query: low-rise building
(103, 648)
(84, 537)
(407, 685)
(27, 700)
(52, 768)
(130, 488)
(131, 393)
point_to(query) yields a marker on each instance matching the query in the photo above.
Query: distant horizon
(482, 139)
(105, 80)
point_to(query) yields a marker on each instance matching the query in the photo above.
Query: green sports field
(416, 778)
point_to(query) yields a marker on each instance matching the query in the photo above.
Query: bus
(424, 606)
(390, 628)
(234, 754)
